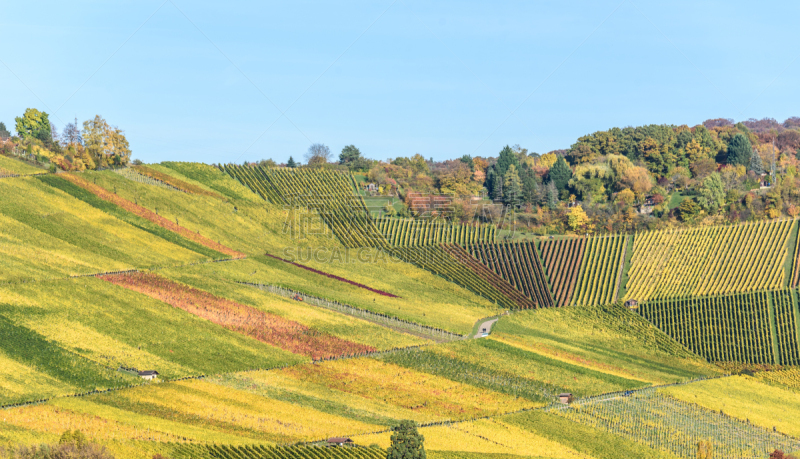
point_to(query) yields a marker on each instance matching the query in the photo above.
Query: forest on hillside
(621, 179)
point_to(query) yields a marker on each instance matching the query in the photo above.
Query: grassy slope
(113, 326)
(18, 167)
(595, 338)
(209, 278)
(61, 235)
(745, 398)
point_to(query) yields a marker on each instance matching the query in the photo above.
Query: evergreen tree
(4, 134)
(756, 165)
(291, 163)
(497, 186)
(349, 154)
(512, 188)
(506, 159)
(560, 174)
(407, 443)
(739, 150)
(529, 185)
(552, 195)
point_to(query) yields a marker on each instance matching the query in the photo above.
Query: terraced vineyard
(709, 261)
(413, 232)
(188, 451)
(600, 271)
(562, 259)
(458, 266)
(754, 327)
(328, 193)
(518, 263)
(665, 423)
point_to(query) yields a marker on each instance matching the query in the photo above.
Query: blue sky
(234, 81)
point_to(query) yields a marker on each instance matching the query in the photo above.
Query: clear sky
(233, 81)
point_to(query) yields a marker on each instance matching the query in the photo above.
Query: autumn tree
(625, 197)
(318, 154)
(689, 210)
(638, 180)
(107, 144)
(712, 193)
(577, 218)
(34, 124)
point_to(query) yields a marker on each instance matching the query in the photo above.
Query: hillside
(275, 324)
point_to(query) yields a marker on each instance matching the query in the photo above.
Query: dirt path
(485, 327)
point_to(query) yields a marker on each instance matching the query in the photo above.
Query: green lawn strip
(584, 439)
(34, 350)
(124, 215)
(791, 254)
(237, 381)
(626, 268)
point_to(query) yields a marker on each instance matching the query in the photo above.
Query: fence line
(358, 312)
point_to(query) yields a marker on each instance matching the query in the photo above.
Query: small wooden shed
(340, 441)
(632, 304)
(565, 398)
(148, 374)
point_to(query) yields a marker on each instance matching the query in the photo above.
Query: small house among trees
(340, 441)
(148, 374)
(565, 398)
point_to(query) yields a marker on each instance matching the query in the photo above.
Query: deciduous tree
(34, 124)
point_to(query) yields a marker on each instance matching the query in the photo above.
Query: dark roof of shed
(148, 373)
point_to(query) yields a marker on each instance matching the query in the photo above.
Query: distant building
(340, 441)
(565, 398)
(148, 374)
(632, 304)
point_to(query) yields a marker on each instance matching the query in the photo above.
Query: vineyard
(562, 260)
(665, 423)
(149, 215)
(600, 271)
(754, 327)
(458, 266)
(173, 182)
(709, 261)
(518, 263)
(415, 232)
(265, 327)
(186, 451)
(329, 193)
